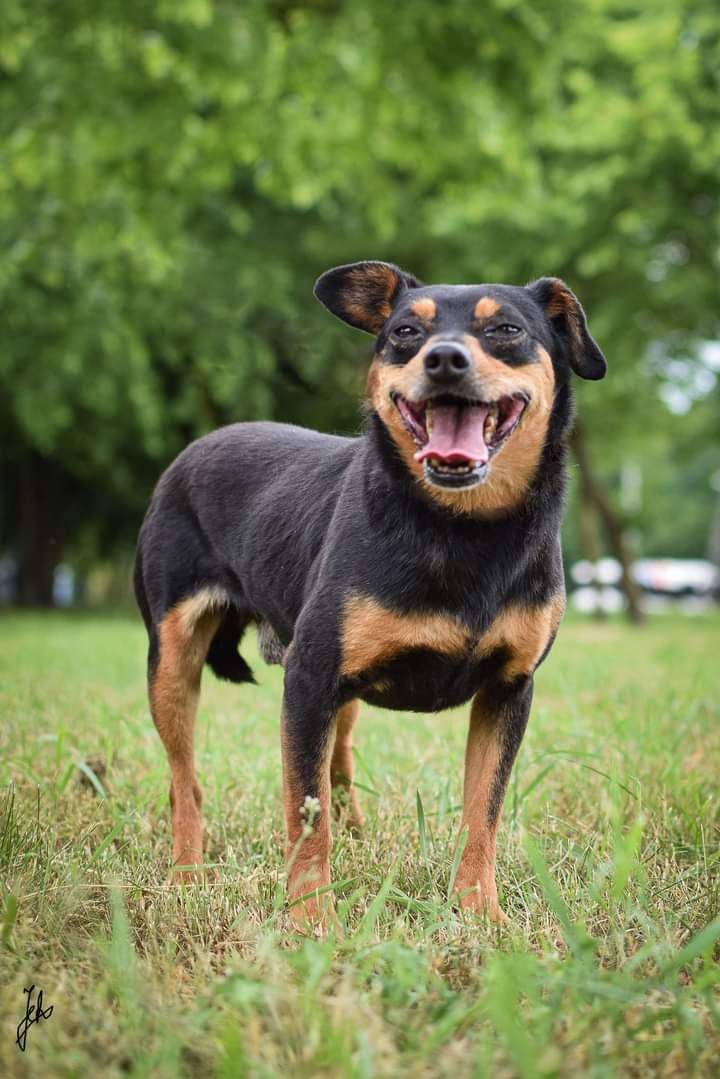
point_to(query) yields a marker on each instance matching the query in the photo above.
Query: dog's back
(249, 495)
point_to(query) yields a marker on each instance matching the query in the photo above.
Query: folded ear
(363, 293)
(568, 318)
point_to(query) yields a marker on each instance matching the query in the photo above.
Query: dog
(415, 567)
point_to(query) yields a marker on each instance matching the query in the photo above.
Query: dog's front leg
(498, 719)
(308, 733)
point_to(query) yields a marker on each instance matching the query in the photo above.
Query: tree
(174, 177)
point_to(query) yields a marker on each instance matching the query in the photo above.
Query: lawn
(609, 869)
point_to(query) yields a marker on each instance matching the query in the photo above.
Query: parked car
(692, 584)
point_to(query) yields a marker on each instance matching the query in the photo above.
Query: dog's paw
(346, 807)
(312, 914)
(484, 905)
(188, 871)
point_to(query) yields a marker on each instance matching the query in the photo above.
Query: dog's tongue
(457, 435)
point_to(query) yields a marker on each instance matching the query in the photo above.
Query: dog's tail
(223, 657)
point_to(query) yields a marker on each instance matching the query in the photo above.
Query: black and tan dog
(415, 567)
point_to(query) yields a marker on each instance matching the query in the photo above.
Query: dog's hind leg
(342, 766)
(183, 637)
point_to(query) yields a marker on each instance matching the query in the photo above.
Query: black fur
(289, 522)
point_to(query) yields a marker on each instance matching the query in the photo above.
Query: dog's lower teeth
(449, 470)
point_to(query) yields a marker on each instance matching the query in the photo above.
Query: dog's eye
(507, 329)
(405, 331)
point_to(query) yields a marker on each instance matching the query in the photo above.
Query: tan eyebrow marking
(425, 308)
(486, 307)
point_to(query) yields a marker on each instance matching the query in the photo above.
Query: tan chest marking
(372, 634)
(525, 632)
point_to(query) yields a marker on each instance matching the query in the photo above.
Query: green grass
(608, 866)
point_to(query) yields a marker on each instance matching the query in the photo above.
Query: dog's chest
(428, 661)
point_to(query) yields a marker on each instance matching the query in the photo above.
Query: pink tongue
(457, 435)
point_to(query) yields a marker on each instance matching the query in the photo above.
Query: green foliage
(172, 179)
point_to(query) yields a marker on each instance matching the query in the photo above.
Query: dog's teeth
(428, 420)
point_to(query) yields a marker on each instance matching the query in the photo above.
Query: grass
(608, 864)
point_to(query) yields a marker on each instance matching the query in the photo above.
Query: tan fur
(475, 881)
(425, 309)
(307, 856)
(184, 638)
(191, 610)
(526, 632)
(372, 634)
(342, 764)
(513, 468)
(486, 307)
(368, 294)
(562, 302)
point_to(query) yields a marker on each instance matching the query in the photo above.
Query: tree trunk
(594, 493)
(38, 536)
(589, 538)
(713, 546)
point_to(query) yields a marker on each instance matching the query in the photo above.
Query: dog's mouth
(456, 437)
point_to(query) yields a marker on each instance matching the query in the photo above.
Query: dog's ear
(562, 307)
(363, 293)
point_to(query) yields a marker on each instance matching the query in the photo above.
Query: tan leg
(309, 839)
(497, 724)
(342, 767)
(184, 637)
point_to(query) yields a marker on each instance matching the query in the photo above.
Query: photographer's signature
(33, 1014)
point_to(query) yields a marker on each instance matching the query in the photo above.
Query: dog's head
(464, 377)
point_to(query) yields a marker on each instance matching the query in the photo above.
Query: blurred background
(174, 176)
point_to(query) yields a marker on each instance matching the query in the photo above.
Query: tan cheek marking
(372, 634)
(498, 379)
(372, 384)
(525, 631)
(425, 309)
(486, 308)
(384, 379)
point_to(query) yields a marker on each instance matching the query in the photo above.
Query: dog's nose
(447, 363)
